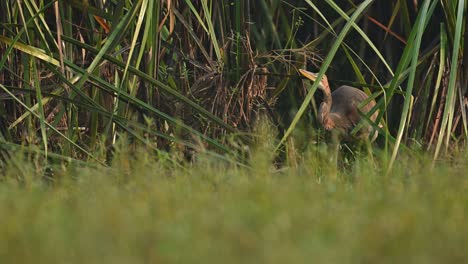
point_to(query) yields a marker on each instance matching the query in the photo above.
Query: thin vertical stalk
(409, 89)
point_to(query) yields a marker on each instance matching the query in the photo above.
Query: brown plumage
(339, 110)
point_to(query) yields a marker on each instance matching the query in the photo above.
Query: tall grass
(196, 75)
(132, 131)
(141, 209)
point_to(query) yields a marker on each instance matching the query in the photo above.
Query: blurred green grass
(141, 210)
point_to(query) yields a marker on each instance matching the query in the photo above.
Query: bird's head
(323, 85)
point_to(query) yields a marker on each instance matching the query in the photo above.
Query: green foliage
(141, 209)
(127, 132)
(196, 75)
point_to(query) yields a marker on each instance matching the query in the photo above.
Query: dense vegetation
(197, 74)
(180, 130)
(142, 211)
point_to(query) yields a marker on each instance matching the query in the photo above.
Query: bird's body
(344, 114)
(340, 110)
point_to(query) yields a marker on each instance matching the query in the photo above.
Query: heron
(339, 110)
(339, 113)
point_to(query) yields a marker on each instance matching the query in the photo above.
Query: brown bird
(339, 110)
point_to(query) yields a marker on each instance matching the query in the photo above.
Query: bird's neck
(326, 107)
(327, 98)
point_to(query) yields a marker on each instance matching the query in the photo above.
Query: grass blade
(442, 58)
(409, 89)
(449, 110)
(214, 39)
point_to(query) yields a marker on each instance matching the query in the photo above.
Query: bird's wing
(346, 100)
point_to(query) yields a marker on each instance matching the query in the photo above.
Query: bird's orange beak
(309, 75)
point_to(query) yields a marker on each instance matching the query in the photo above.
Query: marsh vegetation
(179, 130)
